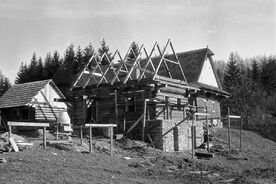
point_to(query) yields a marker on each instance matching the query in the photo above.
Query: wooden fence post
(144, 121)
(44, 137)
(90, 139)
(241, 132)
(193, 136)
(10, 131)
(229, 136)
(111, 140)
(207, 129)
(57, 133)
(81, 135)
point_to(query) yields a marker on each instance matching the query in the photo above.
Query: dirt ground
(134, 162)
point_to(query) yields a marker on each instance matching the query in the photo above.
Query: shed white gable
(47, 95)
(207, 75)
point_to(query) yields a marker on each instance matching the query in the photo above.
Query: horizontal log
(31, 124)
(101, 125)
(234, 117)
(201, 114)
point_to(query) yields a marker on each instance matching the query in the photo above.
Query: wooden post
(116, 107)
(229, 136)
(124, 124)
(241, 132)
(0, 118)
(207, 129)
(44, 137)
(90, 140)
(193, 150)
(144, 121)
(10, 131)
(111, 140)
(81, 135)
(57, 133)
(97, 111)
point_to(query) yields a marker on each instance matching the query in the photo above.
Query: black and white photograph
(137, 91)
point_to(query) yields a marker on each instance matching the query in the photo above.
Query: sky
(27, 26)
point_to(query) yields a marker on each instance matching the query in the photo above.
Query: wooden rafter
(148, 61)
(122, 71)
(161, 60)
(133, 65)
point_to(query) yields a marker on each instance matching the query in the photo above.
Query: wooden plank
(13, 144)
(101, 125)
(137, 121)
(201, 114)
(31, 124)
(234, 117)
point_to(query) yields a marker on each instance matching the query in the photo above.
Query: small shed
(32, 101)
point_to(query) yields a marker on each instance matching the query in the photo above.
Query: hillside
(135, 163)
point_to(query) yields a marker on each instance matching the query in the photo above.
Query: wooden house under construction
(32, 102)
(151, 98)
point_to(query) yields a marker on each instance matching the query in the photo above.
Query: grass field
(132, 163)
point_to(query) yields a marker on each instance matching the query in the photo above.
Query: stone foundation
(178, 139)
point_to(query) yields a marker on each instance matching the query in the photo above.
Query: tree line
(73, 60)
(252, 84)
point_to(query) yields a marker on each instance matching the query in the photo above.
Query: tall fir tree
(104, 49)
(232, 75)
(21, 75)
(133, 52)
(255, 71)
(87, 54)
(4, 84)
(79, 58)
(56, 63)
(70, 63)
(32, 69)
(39, 70)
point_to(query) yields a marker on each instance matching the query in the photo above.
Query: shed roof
(21, 94)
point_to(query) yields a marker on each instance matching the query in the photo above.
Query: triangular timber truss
(123, 70)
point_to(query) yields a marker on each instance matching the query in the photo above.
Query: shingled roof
(21, 94)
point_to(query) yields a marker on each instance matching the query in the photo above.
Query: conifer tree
(255, 72)
(4, 84)
(87, 54)
(39, 70)
(32, 69)
(21, 75)
(104, 49)
(70, 62)
(133, 52)
(232, 75)
(79, 58)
